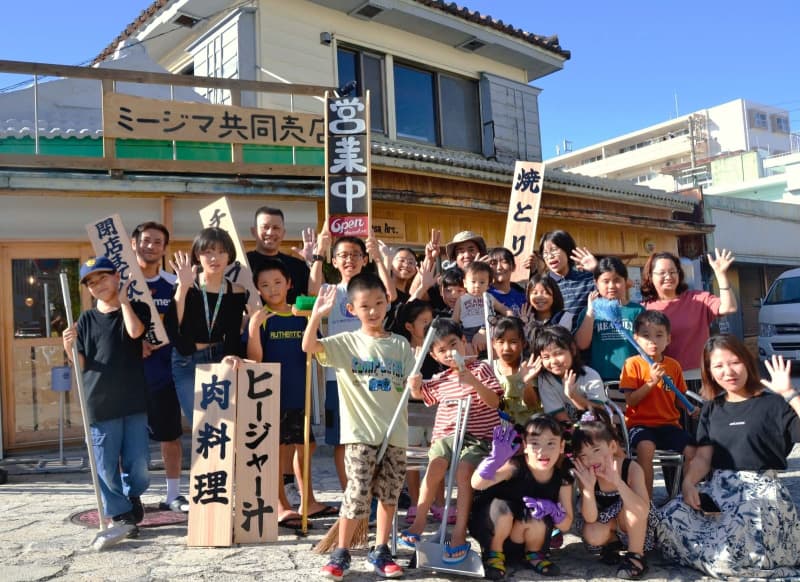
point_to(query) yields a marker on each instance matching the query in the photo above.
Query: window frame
(381, 58)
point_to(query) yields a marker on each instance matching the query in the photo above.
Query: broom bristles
(330, 541)
(607, 309)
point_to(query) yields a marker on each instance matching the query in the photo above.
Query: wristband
(315, 258)
(724, 288)
(791, 396)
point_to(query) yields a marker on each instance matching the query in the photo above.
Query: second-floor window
(366, 69)
(760, 120)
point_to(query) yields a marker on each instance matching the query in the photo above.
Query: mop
(108, 536)
(331, 539)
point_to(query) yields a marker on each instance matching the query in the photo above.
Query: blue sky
(629, 58)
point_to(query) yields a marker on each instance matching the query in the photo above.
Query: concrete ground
(38, 542)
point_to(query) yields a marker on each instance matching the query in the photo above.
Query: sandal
(408, 540)
(630, 570)
(411, 514)
(450, 555)
(494, 565)
(609, 553)
(437, 511)
(540, 564)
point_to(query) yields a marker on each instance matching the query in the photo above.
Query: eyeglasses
(662, 274)
(345, 256)
(408, 262)
(551, 253)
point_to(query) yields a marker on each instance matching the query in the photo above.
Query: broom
(610, 310)
(331, 539)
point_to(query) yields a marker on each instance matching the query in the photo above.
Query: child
(608, 348)
(566, 386)
(109, 339)
(651, 415)
(469, 309)
(519, 499)
(516, 375)
(275, 335)
(614, 506)
(451, 288)
(545, 306)
(349, 256)
(371, 368)
(502, 262)
(477, 380)
(204, 320)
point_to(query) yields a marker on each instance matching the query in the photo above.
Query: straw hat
(462, 237)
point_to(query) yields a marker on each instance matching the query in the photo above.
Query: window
(366, 70)
(760, 120)
(782, 124)
(415, 104)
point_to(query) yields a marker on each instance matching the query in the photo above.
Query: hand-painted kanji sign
(126, 116)
(218, 215)
(109, 238)
(348, 197)
(523, 213)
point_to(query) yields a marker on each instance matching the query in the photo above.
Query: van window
(784, 291)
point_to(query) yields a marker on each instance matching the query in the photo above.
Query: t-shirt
(756, 434)
(575, 287)
(658, 408)
(298, 271)
(447, 386)
(513, 388)
(514, 299)
(371, 374)
(551, 392)
(609, 349)
(158, 365)
(690, 315)
(281, 343)
(113, 371)
(472, 312)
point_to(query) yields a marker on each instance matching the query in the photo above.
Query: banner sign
(348, 197)
(523, 213)
(218, 215)
(109, 238)
(129, 117)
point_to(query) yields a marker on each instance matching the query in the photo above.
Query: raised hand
(325, 300)
(570, 382)
(432, 248)
(309, 241)
(584, 258)
(590, 303)
(585, 475)
(529, 369)
(374, 248)
(124, 289)
(610, 471)
(780, 375)
(323, 241)
(257, 318)
(427, 274)
(503, 448)
(182, 265)
(721, 261)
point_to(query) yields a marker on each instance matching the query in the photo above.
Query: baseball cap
(96, 265)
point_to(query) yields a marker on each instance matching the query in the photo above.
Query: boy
(476, 379)
(349, 256)
(469, 309)
(275, 335)
(652, 418)
(371, 368)
(109, 341)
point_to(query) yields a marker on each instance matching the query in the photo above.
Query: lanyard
(211, 320)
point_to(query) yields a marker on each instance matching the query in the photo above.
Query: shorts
(419, 436)
(333, 435)
(666, 438)
(164, 415)
(364, 481)
(292, 425)
(473, 451)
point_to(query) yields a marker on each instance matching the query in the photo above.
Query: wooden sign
(348, 196)
(523, 213)
(218, 215)
(126, 116)
(109, 238)
(257, 459)
(388, 229)
(211, 482)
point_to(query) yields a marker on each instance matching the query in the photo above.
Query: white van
(779, 318)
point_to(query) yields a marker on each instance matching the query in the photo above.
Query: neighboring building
(451, 111)
(677, 154)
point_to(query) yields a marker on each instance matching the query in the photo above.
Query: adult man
(465, 247)
(149, 241)
(268, 230)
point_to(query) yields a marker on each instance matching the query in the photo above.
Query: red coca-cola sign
(349, 225)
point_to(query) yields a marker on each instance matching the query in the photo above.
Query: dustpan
(430, 552)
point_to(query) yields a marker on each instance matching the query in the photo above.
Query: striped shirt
(575, 287)
(446, 386)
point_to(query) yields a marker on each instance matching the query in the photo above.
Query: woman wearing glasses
(690, 312)
(562, 256)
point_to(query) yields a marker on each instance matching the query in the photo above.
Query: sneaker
(337, 565)
(127, 518)
(137, 509)
(382, 563)
(179, 505)
(292, 494)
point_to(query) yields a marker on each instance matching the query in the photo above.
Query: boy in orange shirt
(651, 413)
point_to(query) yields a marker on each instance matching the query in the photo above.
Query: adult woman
(745, 435)
(560, 254)
(204, 320)
(403, 270)
(690, 312)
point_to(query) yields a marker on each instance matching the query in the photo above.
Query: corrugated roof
(549, 43)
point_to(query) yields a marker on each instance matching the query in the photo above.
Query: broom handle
(487, 307)
(667, 380)
(82, 397)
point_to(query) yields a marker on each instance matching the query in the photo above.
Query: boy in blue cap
(109, 341)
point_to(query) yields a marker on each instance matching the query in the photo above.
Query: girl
(516, 375)
(608, 349)
(519, 499)
(404, 269)
(545, 306)
(501, 260)
(204, 320)
(566, 386)
(744, 437)
(614, 507)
